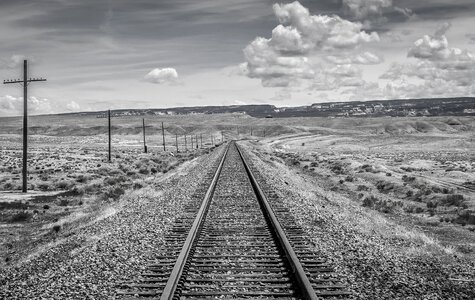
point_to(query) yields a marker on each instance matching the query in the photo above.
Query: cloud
(73, 106)
(160, 76)
(471, 37)
(365, 58)
(442, 70)
(11, 105)
(13, 62)
(288, 58)
(372, 12)
(434, 47)
(364, 9)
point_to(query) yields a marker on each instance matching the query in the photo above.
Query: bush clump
(21, 216)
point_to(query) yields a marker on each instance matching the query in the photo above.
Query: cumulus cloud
(73, 106)
(287, 58)
(364, 9)
(372, 11)
(160, 76)
(11, 105)
(365, 58)
(443, 70)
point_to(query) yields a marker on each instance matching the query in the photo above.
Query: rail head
(305, 287)
(175, 276)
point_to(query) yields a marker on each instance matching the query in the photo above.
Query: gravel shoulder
(89, 261)
(375, 256)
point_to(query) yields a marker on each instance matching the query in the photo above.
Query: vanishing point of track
(234, 242)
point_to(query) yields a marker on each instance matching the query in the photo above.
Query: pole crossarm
(8, 81)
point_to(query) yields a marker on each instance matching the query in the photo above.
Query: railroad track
(233, 243)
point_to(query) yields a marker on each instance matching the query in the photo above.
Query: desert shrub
(113, 193)
(453, 200)
(418, 210)
(137, 185)
(406, 178)
(13, 205)
(92, 188)
(389, 174)
(337, 168)
(144, 171)
(46, 206)
(130, 173)
(349, 178)
(362, 187)
(368, 168)
(56, 228)
(82, 178)
(369, 201)
(341, 181)
(384, 186)
(432, 204)
(314, 164)
(153, 170)
(384, 206)
(21, 216)
(123, 168)
(44, 186)
(62, 201)
(64, 184)
(113, 180)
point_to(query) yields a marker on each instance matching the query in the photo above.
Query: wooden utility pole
(144, 144)
(176, 142)
(25, 82)
(163, 137)
(186, 146)
(109, 135)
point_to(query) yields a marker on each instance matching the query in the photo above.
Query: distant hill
(375, 108)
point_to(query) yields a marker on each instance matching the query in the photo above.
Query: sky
(110, 54)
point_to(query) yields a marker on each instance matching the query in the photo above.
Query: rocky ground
(89, 261)
(377, 257)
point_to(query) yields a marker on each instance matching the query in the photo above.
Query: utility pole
(144, 144)
(186, 146)
(25, 82)
(163, 137)
(176, 142)
(109, 135)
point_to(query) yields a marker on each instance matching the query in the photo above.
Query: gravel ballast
(89, 262)
(375, 257)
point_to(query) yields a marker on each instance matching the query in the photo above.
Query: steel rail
(174, 279)
(305, 287)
